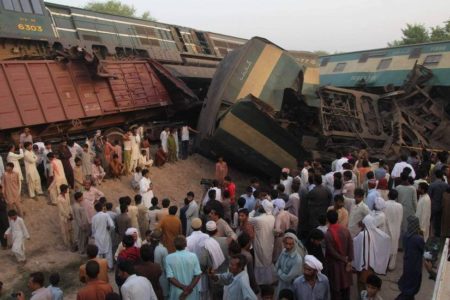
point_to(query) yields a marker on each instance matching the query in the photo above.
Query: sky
(329, 25)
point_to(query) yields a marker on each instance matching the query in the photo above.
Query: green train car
(245, 114)
(31, 29)
(379, 68)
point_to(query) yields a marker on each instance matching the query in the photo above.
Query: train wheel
(114, 134)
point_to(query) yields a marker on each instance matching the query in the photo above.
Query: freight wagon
(66, 70)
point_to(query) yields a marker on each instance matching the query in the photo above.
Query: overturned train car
(243, 116)
(265, 111)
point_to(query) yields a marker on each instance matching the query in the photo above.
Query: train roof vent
(324, 61)
(415, 52)
(363, 58)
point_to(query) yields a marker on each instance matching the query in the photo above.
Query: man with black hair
(373, 287)
(95, 289)
(149, 270)
(424, 209)
(245, 244)
(65, 215)
(123, 221)
(164, 211)
(400, 165)
(92, 252)
(407, 197)
(183, 271)
(81, 222)
(315, 204)
(101, 227)
(394, 217)
(171, 227)
(57, 177)
(358, 211)
(90, 195)
(36, 285)
(223, 229)
(57, 293)
(249, 198)
(191, 212)
(31, 172)
(146, 188)
(436, 191)
(129, 251)
(142, 215)
(314, 244)
(339, 257)
(18, 232)
(244, 225)
(236, 282)
(11, 188)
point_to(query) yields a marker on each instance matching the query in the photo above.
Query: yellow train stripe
(311, 76)
(255, 140)
(261, 72)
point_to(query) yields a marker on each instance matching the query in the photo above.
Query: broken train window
(339, 67)
(384, 64)
(432, 60)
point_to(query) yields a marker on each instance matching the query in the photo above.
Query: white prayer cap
(131, 231)
(211, 226)
(268, 206)
(285, 170)
(313, 262)
(380, 203)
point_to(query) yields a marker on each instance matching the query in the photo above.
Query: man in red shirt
(231, 188)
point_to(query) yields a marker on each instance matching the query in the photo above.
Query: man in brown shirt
(149, 270)
(92, 252)
(171, 227)
(95, 289)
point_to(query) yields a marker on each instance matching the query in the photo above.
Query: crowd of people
(302, 236)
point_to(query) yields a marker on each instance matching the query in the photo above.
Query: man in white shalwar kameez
(191, 212)
(135, 150)
(102, 225)
(394, 216)
(145, 189)
(263, 243)
(423, 211)
(371, 247)
(18, 232)
(56, 173)
(31, 172)
(163, 137)
(196, 244)
(14, 158)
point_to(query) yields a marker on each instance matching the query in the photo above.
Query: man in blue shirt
(183, 271)
(312, 285)
(372, 194)
(249, 199)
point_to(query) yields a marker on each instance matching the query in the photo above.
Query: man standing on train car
(31, 172)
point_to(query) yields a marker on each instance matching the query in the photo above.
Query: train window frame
(415, 52)
(324, 61)
(24, 6)
(339, 67)
(384, 64)
(432, 60)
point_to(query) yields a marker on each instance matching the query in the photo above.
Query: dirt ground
(46, 253)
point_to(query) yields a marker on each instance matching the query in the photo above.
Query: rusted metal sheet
(44, 92)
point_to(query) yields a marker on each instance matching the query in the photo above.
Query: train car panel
(390, 66)
(25, 19)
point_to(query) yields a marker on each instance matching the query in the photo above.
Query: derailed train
(66, 70)
(266, 110)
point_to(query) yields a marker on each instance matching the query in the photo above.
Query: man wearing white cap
(312, 284)
(263, 243)
(196, 244)
(286, 180)
(214, 257)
